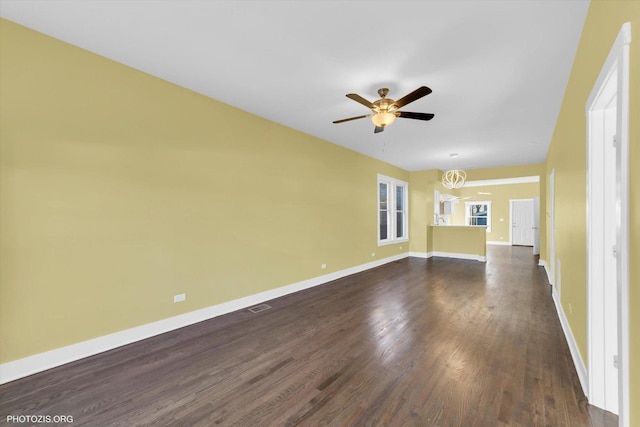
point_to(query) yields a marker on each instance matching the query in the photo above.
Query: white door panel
(522, 222)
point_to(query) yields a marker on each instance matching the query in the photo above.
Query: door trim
(536, 225)
(552, 226)
(617, 66)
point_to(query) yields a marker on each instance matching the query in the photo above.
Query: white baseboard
(421, 254)
(30, 365)
(543, 263)
(498, 242)
(573, 346)
(460, 256)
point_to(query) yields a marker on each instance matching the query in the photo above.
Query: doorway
(607, 233)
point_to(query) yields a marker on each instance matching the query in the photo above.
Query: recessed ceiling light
(454, 155)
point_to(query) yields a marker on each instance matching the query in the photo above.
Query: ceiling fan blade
(378, 129)
(351, 118)
(413, 96)
(361, 100)
(417, 116)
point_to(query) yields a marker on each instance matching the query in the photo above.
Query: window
(478, 213)
(392, 210)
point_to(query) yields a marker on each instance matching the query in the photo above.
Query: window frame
(468, 216)
(391, 210)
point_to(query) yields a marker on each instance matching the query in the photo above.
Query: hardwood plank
(438, 342)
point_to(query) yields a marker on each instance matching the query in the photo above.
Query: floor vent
(259, 308)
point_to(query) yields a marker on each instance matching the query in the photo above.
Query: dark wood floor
(416, 342)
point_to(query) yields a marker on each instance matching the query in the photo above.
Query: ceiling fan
(385, 110)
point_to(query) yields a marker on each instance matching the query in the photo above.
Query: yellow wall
(567, 155)
(500, 205)
(459, 239)
(421, 186)
(120, 190)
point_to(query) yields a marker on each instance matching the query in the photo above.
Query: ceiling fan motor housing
(384, 105)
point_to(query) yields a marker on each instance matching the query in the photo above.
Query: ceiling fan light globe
(383, 119)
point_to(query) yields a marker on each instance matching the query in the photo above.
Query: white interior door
(522, 222)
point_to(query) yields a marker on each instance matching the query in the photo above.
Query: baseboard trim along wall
(543, 263)
(460, 256)
(21, 368)
(581, 368)
(498, 242)
(421, 254)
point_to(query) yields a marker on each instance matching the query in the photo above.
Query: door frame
(552, 228)
(617, 67)
(536, 225)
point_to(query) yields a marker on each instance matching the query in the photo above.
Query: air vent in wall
(259, 308)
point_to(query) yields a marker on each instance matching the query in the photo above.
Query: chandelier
(454, 178)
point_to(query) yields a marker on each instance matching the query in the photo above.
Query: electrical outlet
(179, 298)
(373, 254)
(323, 266)
(400, 247)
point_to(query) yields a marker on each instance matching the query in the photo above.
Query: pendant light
(454, 178)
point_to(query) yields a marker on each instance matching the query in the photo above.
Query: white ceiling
(498, 69)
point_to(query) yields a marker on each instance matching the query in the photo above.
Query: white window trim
(392, 183)
(478, 202)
